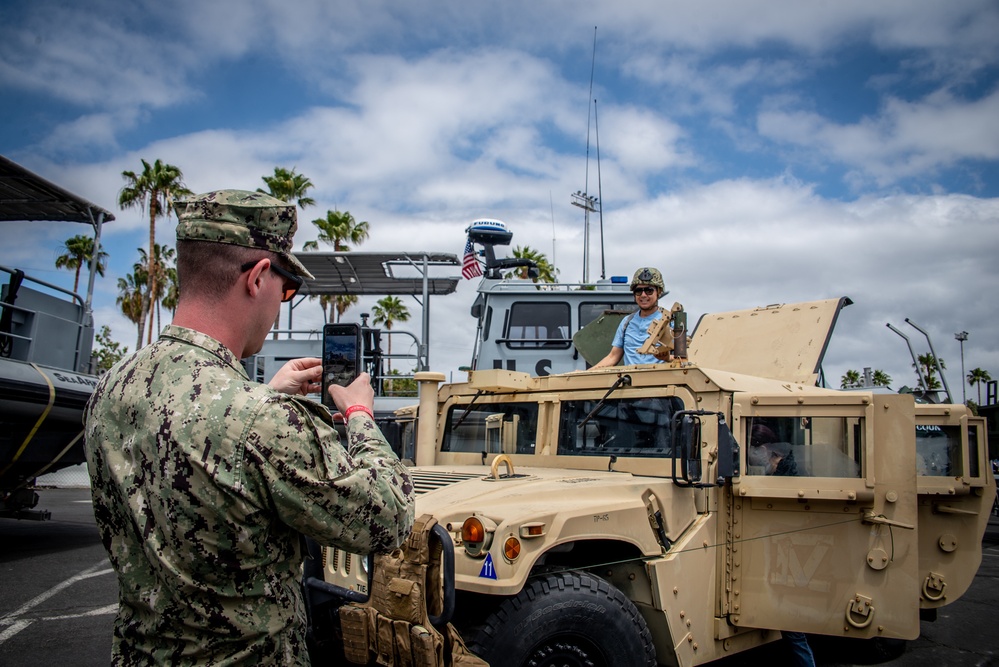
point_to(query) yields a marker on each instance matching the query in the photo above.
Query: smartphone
(341, 356)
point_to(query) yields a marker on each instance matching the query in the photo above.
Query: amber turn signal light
(511, 549)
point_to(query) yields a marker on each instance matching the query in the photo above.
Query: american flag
(470, 267)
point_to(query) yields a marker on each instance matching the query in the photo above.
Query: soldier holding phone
(204, 481)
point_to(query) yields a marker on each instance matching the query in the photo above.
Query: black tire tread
(538, 588)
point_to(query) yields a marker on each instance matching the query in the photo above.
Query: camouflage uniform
(203, 482)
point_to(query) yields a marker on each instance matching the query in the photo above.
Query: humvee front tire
(567, 619)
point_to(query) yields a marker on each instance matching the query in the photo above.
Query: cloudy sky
(759, 153)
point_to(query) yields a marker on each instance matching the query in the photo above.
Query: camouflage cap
(243, 218)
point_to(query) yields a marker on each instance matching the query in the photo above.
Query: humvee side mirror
(686, 439)
(685, 432)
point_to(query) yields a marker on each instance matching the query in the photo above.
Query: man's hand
(299, 377)
(358, 392)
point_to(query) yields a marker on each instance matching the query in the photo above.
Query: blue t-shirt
(634, 337)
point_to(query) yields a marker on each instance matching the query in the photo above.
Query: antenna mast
(600, 194)
(551, 203)
(580, 198)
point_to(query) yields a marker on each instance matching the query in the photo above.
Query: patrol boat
(46, 335)
(531, 326)
(521, 324)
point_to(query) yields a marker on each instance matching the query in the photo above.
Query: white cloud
(694, 86)
(641, 141)
(92, 58)
(905, 139)
(426, 116)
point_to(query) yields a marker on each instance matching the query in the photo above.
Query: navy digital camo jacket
(202, 482)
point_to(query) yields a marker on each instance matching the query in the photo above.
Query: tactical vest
(393, 627)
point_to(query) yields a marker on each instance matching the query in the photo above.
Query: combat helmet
(649, 276)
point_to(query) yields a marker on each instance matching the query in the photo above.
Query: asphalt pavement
(58, 597)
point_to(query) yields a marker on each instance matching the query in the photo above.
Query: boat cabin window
(538, 326)
(804, 446)
(494, 428)
(938, 450)
(590, 311)
(629, 427)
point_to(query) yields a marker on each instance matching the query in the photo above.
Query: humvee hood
(551, 495)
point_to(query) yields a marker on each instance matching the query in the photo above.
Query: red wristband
(357, 408)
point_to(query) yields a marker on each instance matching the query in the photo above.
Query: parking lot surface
(58, 597)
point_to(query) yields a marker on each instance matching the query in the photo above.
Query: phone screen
(341, 356)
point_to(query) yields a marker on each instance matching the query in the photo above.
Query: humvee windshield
(494, 428)
(805, 446)
(621, 427)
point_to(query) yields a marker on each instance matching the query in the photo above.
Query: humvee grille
(340, 561)
(426, 480)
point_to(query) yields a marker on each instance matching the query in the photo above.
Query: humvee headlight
(511, 548)
(477, 535)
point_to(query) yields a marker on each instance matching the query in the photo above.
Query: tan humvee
(683, 512)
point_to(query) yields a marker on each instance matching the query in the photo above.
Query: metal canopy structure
(383, 273)
(27, 197)
(378, 272)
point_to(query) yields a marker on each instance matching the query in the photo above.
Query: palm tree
(928, 363)
(546, 272)
(158, 185)
(80, 249)
(162, 258)
(388, 311)
(172, 295)
(881, 379)
(131, 297)
(850, 379)
(288, 186)
(976, 376)
(343, 302)
(336, 229)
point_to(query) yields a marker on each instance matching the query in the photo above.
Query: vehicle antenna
(593, 67)
(580, 198)
(551, 203)
(600, 194)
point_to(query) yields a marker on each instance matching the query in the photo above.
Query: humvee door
(780, 342)
(826, 540)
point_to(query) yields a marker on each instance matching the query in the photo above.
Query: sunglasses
(289, 290)
(643, 290)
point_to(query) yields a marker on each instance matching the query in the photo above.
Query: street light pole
(962, 336)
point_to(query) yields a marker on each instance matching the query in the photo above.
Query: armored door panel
(782, 342)
(823, 536)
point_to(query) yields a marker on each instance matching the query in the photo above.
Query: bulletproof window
(974, 447)
(626, 427)
(494, 428)
(804, 446)
(590, 310)
(535, 325)
(938, 450)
